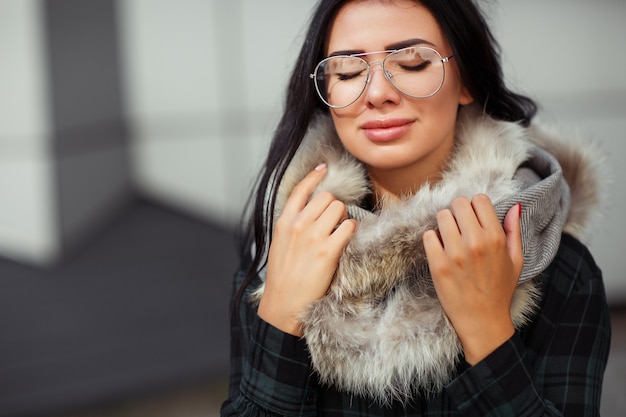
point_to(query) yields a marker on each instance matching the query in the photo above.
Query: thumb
(513, 232)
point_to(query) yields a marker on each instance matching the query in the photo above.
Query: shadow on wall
(143, 306)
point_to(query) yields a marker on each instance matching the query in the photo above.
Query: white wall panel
(28, 210)
(187, 173)
(168, 49)
(22, 102)
(171, 95)
(27, 218)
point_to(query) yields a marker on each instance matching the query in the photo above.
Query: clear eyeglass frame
(388, 74)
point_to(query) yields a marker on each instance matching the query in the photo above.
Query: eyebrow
(394, 46)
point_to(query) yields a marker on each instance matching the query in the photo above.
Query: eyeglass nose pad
(371, 71)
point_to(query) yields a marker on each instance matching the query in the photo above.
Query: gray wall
(88, 138)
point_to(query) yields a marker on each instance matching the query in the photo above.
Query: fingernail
(320, 167)
(520, 209)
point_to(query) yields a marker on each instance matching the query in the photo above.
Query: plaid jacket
(552, 367)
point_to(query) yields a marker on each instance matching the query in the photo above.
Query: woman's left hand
(475, 264)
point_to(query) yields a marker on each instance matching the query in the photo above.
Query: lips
(385, 130)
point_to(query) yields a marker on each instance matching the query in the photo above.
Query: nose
(379, 89)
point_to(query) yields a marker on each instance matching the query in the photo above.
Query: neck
(393, 184)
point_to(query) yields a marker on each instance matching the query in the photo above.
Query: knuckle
(459, 201)
(458, 259)
(496, 238)
(441, 270)
(500, 238)
(481, 199)
(280, 224)
(288, 225)
(298, 226)
(443, 215)
(337, 205)
(476, 249)
(326, 195)
(348, 225)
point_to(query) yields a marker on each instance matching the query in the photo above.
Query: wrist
(284, 320)
(481, 344)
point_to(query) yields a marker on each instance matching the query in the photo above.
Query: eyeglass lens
(417, 72)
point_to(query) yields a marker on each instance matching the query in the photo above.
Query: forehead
(374, 25)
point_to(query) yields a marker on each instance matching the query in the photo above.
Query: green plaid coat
(553, 367)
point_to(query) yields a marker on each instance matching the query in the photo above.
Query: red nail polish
(520, 209)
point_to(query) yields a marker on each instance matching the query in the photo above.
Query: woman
(413, 245)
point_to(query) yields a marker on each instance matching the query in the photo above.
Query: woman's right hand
(308, 239)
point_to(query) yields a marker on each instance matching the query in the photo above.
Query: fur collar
(381, 331)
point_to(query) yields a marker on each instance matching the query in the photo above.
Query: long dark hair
(478, 58)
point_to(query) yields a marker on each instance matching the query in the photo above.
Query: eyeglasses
(416, 71)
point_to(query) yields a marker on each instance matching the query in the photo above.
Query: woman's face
(400, 139)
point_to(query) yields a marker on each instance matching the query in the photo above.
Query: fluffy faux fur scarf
(380, 331)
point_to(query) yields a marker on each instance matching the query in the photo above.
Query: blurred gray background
(130, 134)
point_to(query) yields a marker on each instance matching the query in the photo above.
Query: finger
(318, 205)
(302, 191)
(435, 254)
(331, 216)
(432, 243)
(448, 228)
(513, 232)
(342, 235)
(465, 217)
(485, 213)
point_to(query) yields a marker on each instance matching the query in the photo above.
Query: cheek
(441, 109)
(454, 87)
(348, 136)
(345, 125)
(444, 105)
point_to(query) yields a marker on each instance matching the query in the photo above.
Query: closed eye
(416, 68)
(346, 76)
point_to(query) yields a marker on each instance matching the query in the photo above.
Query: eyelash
(349, 76)
(418, 67)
